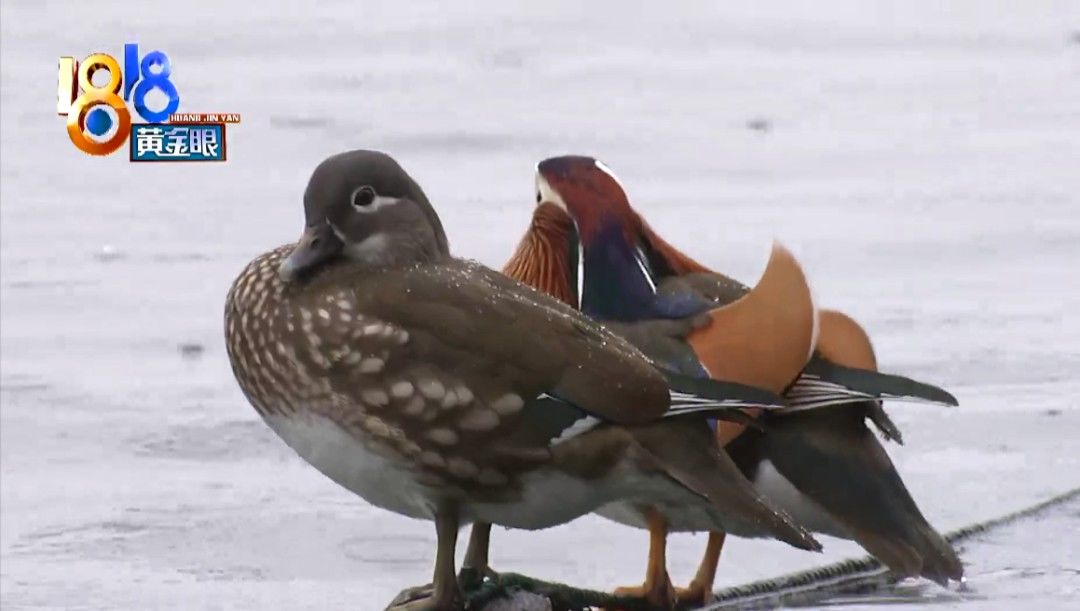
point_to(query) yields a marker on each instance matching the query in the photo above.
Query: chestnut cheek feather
(541, 259)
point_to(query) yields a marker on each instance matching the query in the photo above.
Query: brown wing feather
(766, 337)
(684, 451)
(476, 321)
(313, 349)
(833, 458)
(438, 365)
(840, 338)
(843, 341)
(762, 337)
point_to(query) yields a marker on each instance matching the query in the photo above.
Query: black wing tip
(929, 392)
(950, 399)
(885, 425)
(878, 383)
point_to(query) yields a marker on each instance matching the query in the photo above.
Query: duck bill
(547, 256)
(766, 337)
(316, 246)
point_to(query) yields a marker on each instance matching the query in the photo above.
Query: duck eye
(363, 197)
(538, 197)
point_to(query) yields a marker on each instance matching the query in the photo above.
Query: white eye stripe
(600, 165)
(548, 194)
(379, 202)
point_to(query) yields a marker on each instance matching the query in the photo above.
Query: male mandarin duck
(784, 342)
(817, 460)
(402, 374)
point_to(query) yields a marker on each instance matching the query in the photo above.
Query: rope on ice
(854, 575)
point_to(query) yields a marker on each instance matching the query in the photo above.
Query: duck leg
(700, 590)
(446, 594)
(475, 567)
(657, 589)
(443, 594)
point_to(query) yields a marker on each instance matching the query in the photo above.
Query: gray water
(920, 158)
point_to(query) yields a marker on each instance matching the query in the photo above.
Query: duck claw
(410, 595)
(659, 595)
(693, 596)
(421, 598)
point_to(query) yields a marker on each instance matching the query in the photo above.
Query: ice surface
(922, 158)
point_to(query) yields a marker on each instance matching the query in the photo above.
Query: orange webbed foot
(660, 594)
(694, 595)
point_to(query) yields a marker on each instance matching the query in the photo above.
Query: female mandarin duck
(402, 374)
(817, 460)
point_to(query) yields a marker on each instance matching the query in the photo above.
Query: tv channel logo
(99, 121)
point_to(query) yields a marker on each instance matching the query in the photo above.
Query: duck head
(588, 192)
(586, 219)
(362, 206)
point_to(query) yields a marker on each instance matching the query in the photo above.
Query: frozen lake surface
(920, 158)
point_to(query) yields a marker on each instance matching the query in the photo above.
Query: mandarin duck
(402, 374)
(817, 459)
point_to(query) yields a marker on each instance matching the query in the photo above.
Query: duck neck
(375, 251)
(616, 283)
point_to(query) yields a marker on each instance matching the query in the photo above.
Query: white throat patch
(372, 249)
